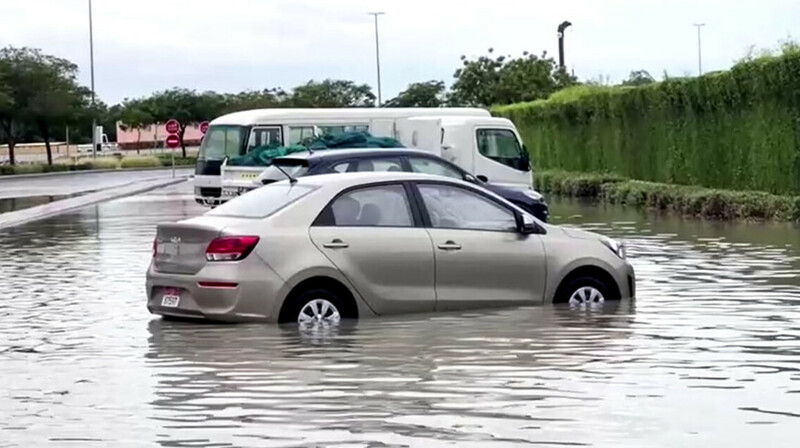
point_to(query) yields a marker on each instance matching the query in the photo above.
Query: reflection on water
(708, 355)
(14, 204)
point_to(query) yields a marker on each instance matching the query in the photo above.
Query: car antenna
(292, 180)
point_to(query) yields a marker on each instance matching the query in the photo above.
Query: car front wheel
(586, 291)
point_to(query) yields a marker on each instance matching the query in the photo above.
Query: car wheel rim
(318, 311)
(586, 294)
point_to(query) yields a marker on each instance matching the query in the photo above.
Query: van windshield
(223, 141)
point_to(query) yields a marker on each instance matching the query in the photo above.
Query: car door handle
(450, 245)
(336, 244)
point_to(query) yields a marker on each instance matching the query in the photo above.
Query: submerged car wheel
(315, 307)
(585, 291)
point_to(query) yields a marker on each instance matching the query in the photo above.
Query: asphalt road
(72, 184)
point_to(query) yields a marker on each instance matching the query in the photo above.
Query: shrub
(737, 129)
(140, 162)
(680, 199)
(104, 163)
(56, 167)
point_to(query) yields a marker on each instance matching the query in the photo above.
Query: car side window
(364, 165)
(380, 206)
(430, 166)
(451, 207)
(341, 167)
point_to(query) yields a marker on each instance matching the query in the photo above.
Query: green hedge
(680, 199)
(738, 129)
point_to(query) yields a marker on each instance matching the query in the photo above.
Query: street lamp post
(699, 49)
(561, 28)
(91, 63)
(377, 53)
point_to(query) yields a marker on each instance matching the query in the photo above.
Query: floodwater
(708, 355)
(13, 204)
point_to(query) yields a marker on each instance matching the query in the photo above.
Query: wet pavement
(708, 355)
(72, 184)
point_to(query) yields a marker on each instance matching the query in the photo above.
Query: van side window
(502, 146)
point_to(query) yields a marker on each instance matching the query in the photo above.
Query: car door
(377, 241)
(481, 259)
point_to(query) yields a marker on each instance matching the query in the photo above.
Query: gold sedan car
(322, 248)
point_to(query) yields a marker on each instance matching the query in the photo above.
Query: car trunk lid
(180, 248)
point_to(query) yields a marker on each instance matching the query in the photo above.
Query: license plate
(248, 176)
(170, 300)
(233, 192)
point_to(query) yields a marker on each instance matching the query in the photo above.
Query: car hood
(580, 234)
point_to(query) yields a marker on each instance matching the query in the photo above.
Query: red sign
(204, 127)
(173, 141)
(172, 126)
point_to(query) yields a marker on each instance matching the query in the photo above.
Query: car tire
(586, 290)
(314, 306)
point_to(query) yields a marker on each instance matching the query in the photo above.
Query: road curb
(69, 173)
(27, 215)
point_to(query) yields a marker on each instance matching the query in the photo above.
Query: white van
(469, 137)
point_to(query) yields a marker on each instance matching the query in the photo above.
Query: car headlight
(617, 247)
(536, 196)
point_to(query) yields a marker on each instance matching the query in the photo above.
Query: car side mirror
(482, 178)
(527, 225)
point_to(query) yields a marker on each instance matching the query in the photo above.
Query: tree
(639, 78)
(331, 93)
(420, 94)
(491, 80)
(187, 106)
(43, 92)
(134, 114)
(267, 98)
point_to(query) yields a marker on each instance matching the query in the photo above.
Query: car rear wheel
(585, 291)
(315, 307)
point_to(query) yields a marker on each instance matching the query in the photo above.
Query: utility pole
(561, 28)
(377, 53)
(699, 49)
(91, 63)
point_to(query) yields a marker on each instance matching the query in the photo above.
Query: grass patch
(685, 200)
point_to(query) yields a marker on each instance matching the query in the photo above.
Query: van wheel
(585, 291)
(314, 307)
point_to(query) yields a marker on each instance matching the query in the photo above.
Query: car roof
(346, 153)
(346, 180)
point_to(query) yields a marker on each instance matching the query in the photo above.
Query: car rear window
(292, 167)
(263, 201)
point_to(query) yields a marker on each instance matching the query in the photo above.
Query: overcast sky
(231, 45)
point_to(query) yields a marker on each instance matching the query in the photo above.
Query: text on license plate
(170, 300)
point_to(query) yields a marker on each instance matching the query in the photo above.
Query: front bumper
(257, 296)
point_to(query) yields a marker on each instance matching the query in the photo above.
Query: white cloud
(230, 45)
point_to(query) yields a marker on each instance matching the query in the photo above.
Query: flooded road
(708, 355)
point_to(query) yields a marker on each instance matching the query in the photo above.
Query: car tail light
(230, 248)
(155, 247)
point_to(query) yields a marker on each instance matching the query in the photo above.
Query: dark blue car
(390, 159)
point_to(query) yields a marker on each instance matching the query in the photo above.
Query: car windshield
(223, 141)
(262, 202)
(294, 168)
